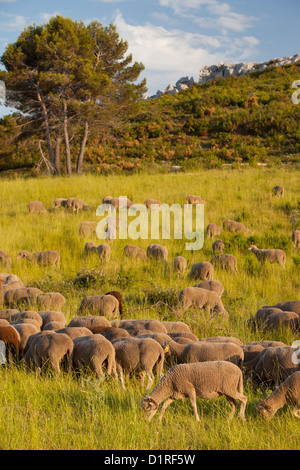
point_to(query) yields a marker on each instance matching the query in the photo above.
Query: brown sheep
(278, 191)
(21, 297)
(176, 327)
(213, 230)
(25, 330)
(11, 338)
(5, 260)
(43, 258)
(48, 316)
(87, 228)
(50, 301)
(59, 202)
(119, 297)
(89, 322)
(106, 305)
(296, 239)
(225, 261)
(7, 313)
(215, 286)
(196, 297)
(270, 255)
(90, 248)
(234, 227)
(279, 320)
(75, 331)
(192, 199)
(104, 251)
(203, 270)
(179, 264)
(150, 202)
(28, 314)
(135, 252)
(157, 252)
(36, 207)
(218, 246)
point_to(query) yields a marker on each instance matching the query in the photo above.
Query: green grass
(72, 413)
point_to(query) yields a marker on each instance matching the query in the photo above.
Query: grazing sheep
(48, 348)
(222, 339)
(262, 314)
(5, 260)
(218, 246)
(272, 256)
(201, 299)
(135, 252)
(161, 338)
(185, 334)
(276, 321)
(288, 306)
(215, 286)
(118, 296)
(278, 191)
(4, 322)
(23, 296)
(225, 261)
(234, 227)
(176, 327)
(25, 330)
(119, 203)
(112, 333)
(203, 270)
(139, 355)
(78, 205)
(43, 258)
(199, 380)
(36, 207)
(296, 239)
(11, 338)
(192, 199)
(31, 321)
(201, 351)
(10, 282)
(54, 326)
(104, 252)
(179, 264)
(91, 352)
(90, 248)
(29, 314)
(89, 322)
(251, 351)
(213, 230)
(287, 393)
(157, 252)
(134, 326)
(75, 331)
(50, 301)
(7, 313)
(87, 228)
(150, 202)
(106, 305)
(59, 202)
(106, 199)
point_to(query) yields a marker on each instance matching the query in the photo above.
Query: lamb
(106, 305)
(213, 230)
(90, 248)
(203, 380)
(25, 330)
(192, 199)
(218, 246)
(203, 270)
(5, 260)
(91, 352)
(271, 255)
(234, 227)
(135, 252)
(48, 348)
(43, 258)
(139, 355)
(75, 331)
(36, 207)
(50, 301)
(201, 299)
(296, 239)
(179, 264)
(104, 251)
(87, 228)
(11, 338)
(287, 393)
(225, 261)
(207, 351)
(213, 285)
(278, 191)
(157, 252)
(89, 322)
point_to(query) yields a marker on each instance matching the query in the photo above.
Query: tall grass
(80, 413)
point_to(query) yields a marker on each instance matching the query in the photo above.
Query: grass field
(80, 413)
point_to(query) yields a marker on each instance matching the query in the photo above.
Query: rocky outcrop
(182, 84)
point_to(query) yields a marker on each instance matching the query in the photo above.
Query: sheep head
(149, 406)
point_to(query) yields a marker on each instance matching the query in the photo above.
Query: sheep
(287, 393)
(4, 322)
(43, 258)
(139, 355)
(199, 380)
(11, 338)
(192, 199)
(5, 260)
(225, 261)
(59, 202)
(134, 326)
(296, 239)
(25, 330)
(176, 327)
(234, 227)
(222, 339)
(213, 285)
(36, 207)
(22, 296)
(9, 282)
(30, 321)
(75, 331)
(276, 321)
(157, 252)
(119, 203)
(112, 333)
(89, 322)
(6, 314)
(278, 191)
(203, 270)
(91, 352)
(218, 246)
(118, 296)
(29, 314)
(161, 338)
(213, 230)
(184, 334)
(288, 306)
(151, 202)
(207, 351)
(90, 248)
(179, 264)
(270, 255)
(54, 326)
(262, 314)
(251, 351)
(201, 299)
(50, 301)
(87, 228)
(48, 348)
(134, 252)
(104, 251)
(106, 305)
(78, 205)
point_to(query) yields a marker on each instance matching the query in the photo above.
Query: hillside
(234, 120)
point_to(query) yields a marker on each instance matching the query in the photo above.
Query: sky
(174, 38)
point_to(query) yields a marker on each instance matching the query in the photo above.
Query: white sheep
(106, 305)
(197, 380)
(270, 255)
(195, 297)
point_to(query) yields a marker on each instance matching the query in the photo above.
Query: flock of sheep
(101, 339)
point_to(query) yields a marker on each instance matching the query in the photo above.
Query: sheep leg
(164, 407)
(193, 401)
(121, 375)
(296, 412)
(150, 379)
(233, 404)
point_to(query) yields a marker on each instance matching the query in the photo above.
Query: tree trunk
(82, 148)
(67, 143)
(57, 155)
(48, 135)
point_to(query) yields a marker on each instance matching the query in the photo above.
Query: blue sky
(175, 38)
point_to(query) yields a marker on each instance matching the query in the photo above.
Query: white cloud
(45, 17)
(11, 22)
